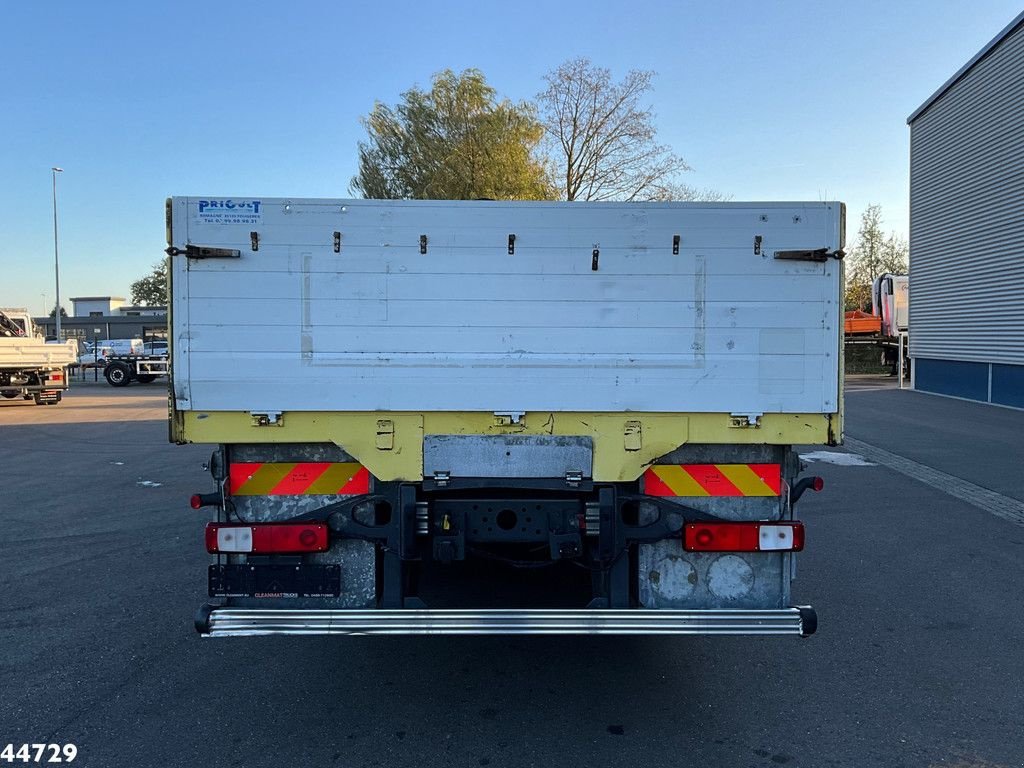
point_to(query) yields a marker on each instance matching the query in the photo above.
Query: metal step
(213, 621)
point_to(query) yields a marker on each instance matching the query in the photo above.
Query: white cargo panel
(19, 353)
(368, 305)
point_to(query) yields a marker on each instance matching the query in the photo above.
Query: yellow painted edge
(356, 433)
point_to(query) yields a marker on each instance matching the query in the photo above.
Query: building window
(95, 314)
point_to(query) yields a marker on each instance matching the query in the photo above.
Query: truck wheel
(117, 374)
(10, 394)
(145, 378)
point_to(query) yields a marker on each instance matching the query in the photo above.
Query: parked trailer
(122, 370)
(887, 325)
(604, 396)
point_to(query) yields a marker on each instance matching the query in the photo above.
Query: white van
(97, 352)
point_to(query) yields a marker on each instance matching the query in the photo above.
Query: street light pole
(56, 261)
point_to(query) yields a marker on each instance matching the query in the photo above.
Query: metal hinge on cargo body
(267, 418)
(745, 420)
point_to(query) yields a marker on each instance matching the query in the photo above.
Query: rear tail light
(55, 376)
(270, 538)
(743, 537)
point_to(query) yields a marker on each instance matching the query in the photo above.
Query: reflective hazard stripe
(281, 479)
(713, 480)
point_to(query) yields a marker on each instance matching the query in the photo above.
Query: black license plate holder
(270, 581)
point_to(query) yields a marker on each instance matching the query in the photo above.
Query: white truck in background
(420, 407)
(31, 367)
(890, 301)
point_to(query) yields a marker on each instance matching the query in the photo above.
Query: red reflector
(268, 538)
(195, 501)
(211, 537)
(818, 484)
(743, 537)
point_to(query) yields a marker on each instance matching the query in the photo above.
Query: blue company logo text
(229, 205)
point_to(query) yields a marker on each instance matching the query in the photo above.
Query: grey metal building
(967, 228)
(149, 327)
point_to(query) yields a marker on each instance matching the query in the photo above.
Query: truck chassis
(45, 386)
(122, 370)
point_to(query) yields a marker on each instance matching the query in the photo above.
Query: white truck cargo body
(31, 367)
(366, 305)
(35, 353)
(403, 392)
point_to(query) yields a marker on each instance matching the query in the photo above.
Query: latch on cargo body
(267, 418)
(817, 254)
(203, 252)
(745, 420)
(508, 418)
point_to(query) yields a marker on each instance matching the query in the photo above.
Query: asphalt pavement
(917, 661)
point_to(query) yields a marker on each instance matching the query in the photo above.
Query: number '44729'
(39, 753)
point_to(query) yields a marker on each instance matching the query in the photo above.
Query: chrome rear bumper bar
(213, 621)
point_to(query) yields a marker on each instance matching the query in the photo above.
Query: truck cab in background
(890, 301)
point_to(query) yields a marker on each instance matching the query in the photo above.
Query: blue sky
(141, 100)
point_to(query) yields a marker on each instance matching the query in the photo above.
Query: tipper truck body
(31, 367)
(504, 417)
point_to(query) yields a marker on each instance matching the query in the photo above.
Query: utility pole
(56, 261)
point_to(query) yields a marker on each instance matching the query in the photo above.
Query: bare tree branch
(604, 137)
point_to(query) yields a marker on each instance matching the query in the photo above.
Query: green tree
(63, 312)
(457, 141)
(151, 290)
(874, 254)
(602, 139)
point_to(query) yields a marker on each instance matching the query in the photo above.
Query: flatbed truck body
(604, 397)
(31, 367)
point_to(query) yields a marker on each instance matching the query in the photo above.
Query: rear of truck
(504, 417)
(30, 367)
